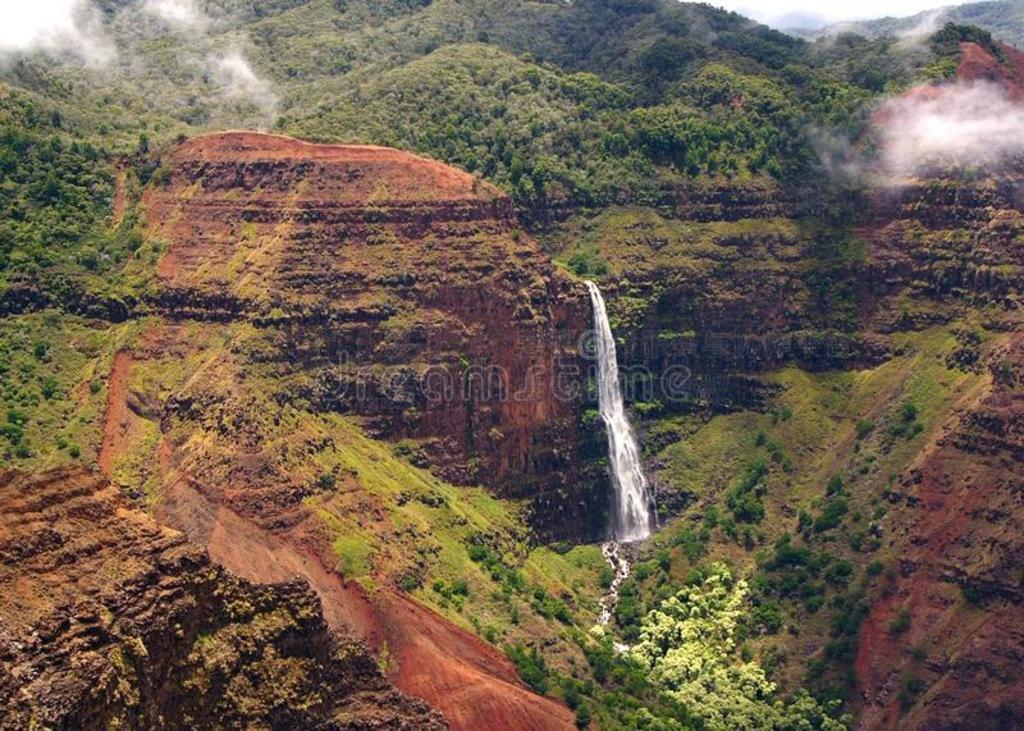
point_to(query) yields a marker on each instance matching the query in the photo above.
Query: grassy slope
(389, 522)
(814, 422)
(54, 370)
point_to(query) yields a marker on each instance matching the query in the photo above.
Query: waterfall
(632, 509)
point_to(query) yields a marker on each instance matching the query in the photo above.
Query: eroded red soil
(469, 681)
(118, 418)
(959, 536)
(978, 64)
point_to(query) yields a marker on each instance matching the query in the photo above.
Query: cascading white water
(632, 509)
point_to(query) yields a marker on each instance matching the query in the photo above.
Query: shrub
(910, 689)
(901, 622)
(767, 618)
(691, 542)
(582, 716)
(831, 516)
(839, 573)
(587, 263)
(531, 666)
(571, 695)
(971, 593)
(744, 499)
(326, 481)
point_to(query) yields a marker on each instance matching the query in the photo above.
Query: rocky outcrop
(940, 246)
(387, 286)
(108, 619)
(705, 307)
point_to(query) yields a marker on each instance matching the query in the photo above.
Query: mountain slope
(1003, 18)
(112, 619)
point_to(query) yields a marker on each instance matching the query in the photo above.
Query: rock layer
(942, 646)
(958, 531)
(306, 281)
(388, 286)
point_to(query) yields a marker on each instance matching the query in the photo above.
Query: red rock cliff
(312, 280)
(390, 286)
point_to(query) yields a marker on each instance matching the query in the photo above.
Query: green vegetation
(49, 362)
(545, 135)
(744, 499)
(56, 191)
(901, 622)
(531, 666)
(596, 102)
(815, 468)
(354, 554)
(688, 645)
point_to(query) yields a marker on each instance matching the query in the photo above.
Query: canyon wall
(307, 296)
(942, 647)
(394, 288)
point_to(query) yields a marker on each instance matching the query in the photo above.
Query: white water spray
(632, 502)
(620, 564)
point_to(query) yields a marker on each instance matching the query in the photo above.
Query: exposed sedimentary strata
(305, 281)
(388, 286)
(938, 249)
(956, 526)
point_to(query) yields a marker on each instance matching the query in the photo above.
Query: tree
(688, 646)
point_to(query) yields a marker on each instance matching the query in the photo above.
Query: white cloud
(181, 13)
(232, 72)
(27, 25)
(930, 23)
(972, 124)
(789, 13)
(71, 26)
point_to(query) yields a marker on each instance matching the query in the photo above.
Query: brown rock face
(108, 619)
(943, 647)
(960, 535)
(302, 281)
(978, 64)
(389, 286)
